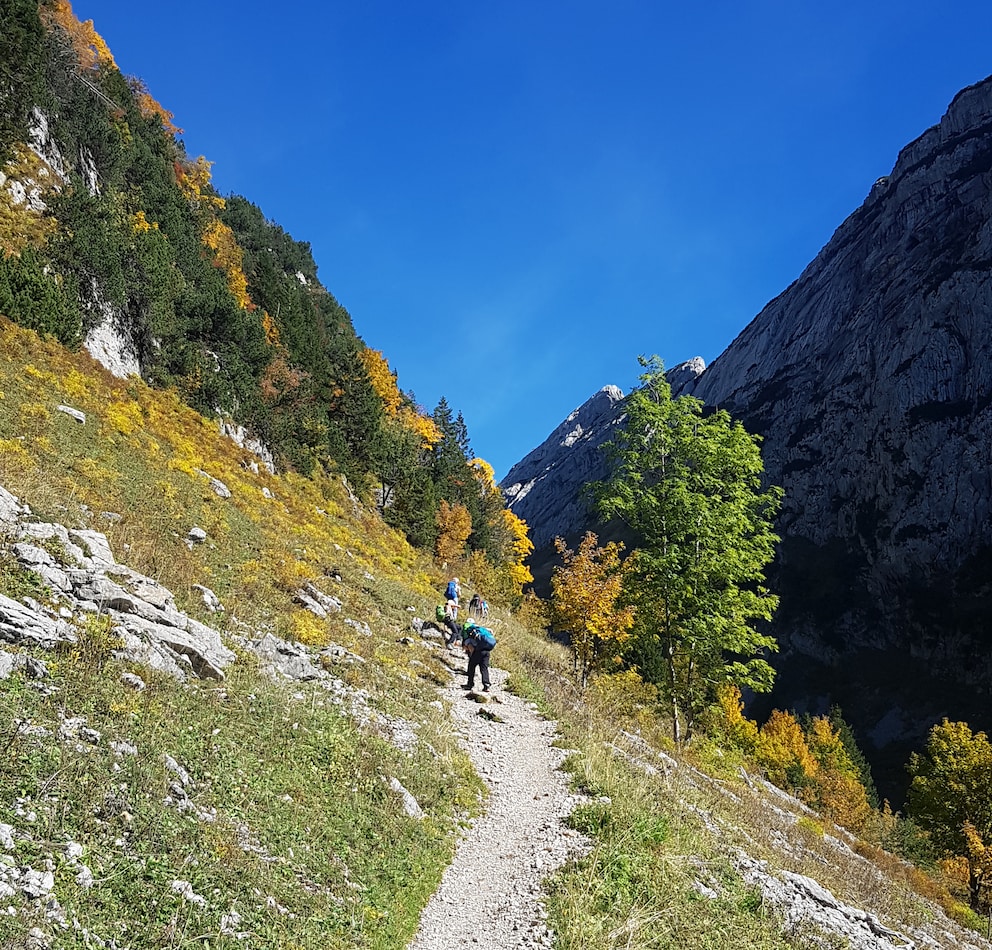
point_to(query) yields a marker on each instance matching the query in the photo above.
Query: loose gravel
(490, 895)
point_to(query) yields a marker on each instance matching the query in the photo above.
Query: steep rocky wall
(870, 380)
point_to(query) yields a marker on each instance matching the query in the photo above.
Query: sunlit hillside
(264, 811)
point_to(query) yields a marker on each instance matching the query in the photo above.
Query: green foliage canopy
(951, 797)
(689, 485)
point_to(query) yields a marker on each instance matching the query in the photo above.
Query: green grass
(290, 810)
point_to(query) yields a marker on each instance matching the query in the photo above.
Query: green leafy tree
(951, 797)
(689, 485)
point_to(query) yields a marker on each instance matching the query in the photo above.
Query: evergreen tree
(855, 754)
(22, 61)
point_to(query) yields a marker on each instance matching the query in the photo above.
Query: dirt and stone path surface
(490, 895)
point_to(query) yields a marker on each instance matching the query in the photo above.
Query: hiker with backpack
(444, 614)
(475, 606)
(478, 643)
(452, 592)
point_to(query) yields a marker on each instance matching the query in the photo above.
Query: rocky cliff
(871, 382)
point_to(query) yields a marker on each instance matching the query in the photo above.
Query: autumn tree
(688, 483)
(88, 46)
(783, 753)
(951, 797)
(837, 791)
(737, 730)
(586, 591)
(454, 527)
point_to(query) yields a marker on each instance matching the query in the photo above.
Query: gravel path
(521, 838)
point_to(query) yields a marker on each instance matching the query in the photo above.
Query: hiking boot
(485, 689)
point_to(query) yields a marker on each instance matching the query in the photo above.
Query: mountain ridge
(869, 380)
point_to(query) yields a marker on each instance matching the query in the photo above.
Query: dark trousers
(453, 629)
(478, 658)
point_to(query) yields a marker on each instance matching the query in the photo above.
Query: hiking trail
(490, 893)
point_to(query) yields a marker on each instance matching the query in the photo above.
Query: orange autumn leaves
(813, 762)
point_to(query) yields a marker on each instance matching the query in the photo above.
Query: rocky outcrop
(84, 580)
(545, 487)
(870, 380)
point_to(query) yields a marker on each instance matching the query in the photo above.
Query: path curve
(520, 839)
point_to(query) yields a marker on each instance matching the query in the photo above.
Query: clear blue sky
(513, 200)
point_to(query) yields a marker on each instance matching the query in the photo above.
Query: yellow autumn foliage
(88, 46)
(585, 597)
(455, 525)
(228, 256)
(783, 753)
(383, 381)
(738, 730)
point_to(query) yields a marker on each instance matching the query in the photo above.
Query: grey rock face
(85, 579)
(545, 487)
(870, 380)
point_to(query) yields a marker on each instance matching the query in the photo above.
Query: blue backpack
(485, 637)
(452, 592)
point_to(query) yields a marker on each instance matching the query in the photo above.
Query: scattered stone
(185, 890)
(210, 600)
(76, 414)
(133, 681)
(176, 769)
(410, 804)
(216, 485)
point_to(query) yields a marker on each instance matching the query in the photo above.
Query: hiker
(478, 643)
(475, 606)
(444, 613)
(451, 594)
(484, 609)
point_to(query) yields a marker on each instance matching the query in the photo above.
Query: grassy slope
(332, 859)
(293, 827)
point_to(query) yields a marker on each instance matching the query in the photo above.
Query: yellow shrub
(33, 414)
(94, 471)
(125, 417)
(741, 732)
(75, 385)
(13, 450)
(49, 379)
(308, 629)
(290, 574)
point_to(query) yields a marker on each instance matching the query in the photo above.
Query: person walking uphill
(452, 592)
(478, 643)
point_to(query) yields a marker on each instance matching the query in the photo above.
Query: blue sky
(514, 200)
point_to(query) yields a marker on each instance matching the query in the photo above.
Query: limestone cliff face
(544, 488)
(870, 379)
